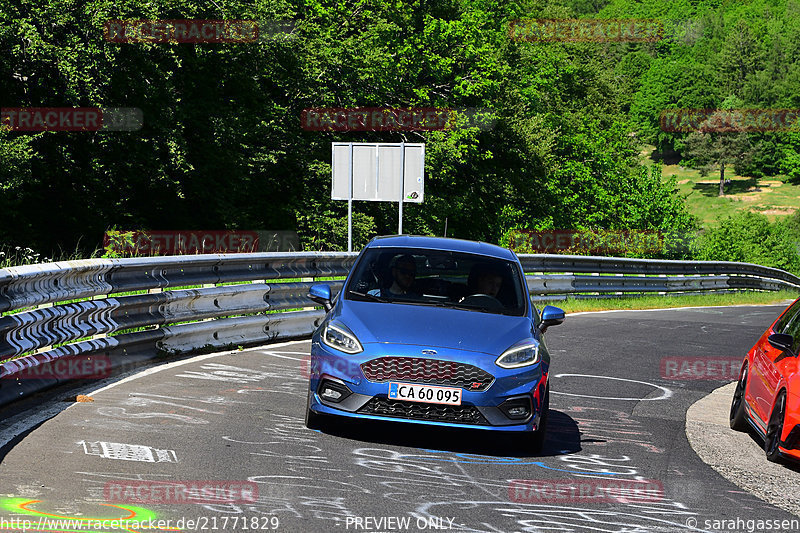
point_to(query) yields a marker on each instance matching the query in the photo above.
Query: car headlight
(521, 354)
(340, 338)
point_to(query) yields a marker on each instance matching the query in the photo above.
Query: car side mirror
(782, 342)
(321, 293)
(551, 316)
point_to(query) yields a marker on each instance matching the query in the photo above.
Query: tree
(715, 145)
(740, 57)
(790, 162)
(669, 83)
(222, 146)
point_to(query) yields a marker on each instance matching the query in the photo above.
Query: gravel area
(737, 456)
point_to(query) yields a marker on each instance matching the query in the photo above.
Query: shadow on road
(786, 463)
(563, 436)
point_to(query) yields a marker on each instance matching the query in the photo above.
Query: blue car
(433, 331)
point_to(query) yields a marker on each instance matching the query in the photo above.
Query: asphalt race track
(616, 421)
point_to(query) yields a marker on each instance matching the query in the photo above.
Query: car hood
(374, 322)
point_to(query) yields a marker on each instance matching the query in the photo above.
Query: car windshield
(439, 278)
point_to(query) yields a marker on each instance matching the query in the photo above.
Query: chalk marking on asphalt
(168, 366)
(25, 420)
(666, 392)
(273, 354)
(128, 452)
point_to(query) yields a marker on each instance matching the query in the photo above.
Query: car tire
(738, 416)
(775, 429)
(538, 437)
(314, 420)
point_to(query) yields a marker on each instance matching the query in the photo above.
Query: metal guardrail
(619, 276)
(251, 312)
(568, 284)
(93, 316)
(624, 265)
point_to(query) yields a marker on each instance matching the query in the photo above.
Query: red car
(767, 395)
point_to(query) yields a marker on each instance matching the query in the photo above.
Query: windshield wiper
(429, 303)
(374, 297)
(483, 309)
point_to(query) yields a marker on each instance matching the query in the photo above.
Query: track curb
(736, 456)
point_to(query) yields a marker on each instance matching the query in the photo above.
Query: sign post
(402, 190)
(378, 172)
(350, 206)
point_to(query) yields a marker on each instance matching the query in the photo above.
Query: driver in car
(404, 273)
(485, 279)
(490, 283)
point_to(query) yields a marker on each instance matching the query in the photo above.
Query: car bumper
(366, 398)
(790, 444)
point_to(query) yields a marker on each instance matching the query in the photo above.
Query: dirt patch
(776, 211)
(681, 182)
(765, 185)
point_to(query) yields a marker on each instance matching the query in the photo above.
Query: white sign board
(379, 172)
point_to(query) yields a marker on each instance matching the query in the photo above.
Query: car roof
(442, 243)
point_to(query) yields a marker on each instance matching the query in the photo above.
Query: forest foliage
(222, 145)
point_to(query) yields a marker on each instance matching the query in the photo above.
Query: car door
(769, 363)
(786, 364)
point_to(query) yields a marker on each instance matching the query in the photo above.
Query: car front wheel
(313, 420)
(775, 429)
(738, 417)
(538, 437)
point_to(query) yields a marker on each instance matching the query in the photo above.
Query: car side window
(788, 319)
(793, 329)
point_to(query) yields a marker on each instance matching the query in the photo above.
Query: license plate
(424, 393)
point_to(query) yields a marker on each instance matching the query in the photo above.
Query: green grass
(19, 256)
(771, 196)
(688, 300)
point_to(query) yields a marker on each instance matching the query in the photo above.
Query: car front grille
(459, 414)
(430, 371)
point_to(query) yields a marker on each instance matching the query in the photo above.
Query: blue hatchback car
(433, 331)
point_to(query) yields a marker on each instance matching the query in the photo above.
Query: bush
(600, 242)
(328, 232)
(751, 238)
